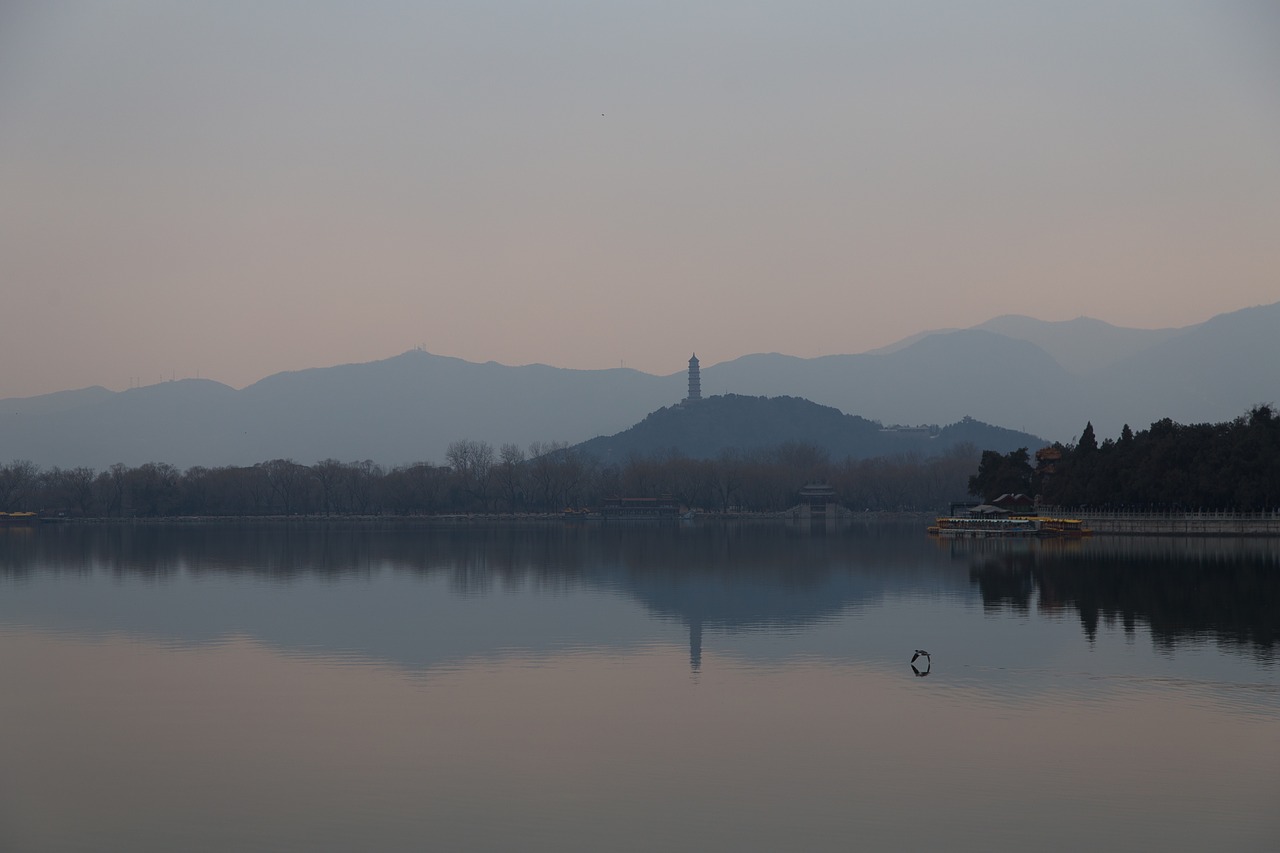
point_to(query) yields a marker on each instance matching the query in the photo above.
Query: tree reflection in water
(1185, 590)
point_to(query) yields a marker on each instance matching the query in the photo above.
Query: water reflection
(236, 747)
(1183, 591)
(488, 688)
(479, 552)
(731, 579)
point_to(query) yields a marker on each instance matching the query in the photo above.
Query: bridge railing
(1155, 514)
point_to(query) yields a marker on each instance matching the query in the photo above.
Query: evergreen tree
(1000, 474)
(1088, 442)
(1230, 466)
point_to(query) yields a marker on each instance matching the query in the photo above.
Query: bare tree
(236, 490)
(328, 475)
(511, 475)
(289, 483)
(542, 463)
(80, 487)
(18, 481)
(152, 487)
(472, 464)
(558, 474)
(640, 477)
(726, 478)
(111, 488)
(415, 488)
(688, 480)
(70, 489)
(359, 483)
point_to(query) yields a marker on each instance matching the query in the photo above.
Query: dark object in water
(921, 653)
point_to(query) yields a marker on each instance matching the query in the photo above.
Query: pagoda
(695, 381)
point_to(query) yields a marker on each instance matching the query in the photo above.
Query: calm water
(641, 688)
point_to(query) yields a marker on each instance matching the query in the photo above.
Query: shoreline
(1104, 524)
(455, 519)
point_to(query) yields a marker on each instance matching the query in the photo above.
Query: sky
(231, 189)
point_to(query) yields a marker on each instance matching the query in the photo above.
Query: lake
(633, 687)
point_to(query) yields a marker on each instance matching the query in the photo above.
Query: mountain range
(1046, 378)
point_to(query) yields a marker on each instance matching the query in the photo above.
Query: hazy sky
(233, 188)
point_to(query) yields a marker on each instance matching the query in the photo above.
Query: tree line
(480, 478)
(1224, 466)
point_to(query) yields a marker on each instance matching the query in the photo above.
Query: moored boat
(1016, 526)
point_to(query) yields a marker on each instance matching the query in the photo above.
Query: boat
(1012, 526)
(1066, 528)
(19, 519)
(640, 508)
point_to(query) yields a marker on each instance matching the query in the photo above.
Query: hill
(705, 429)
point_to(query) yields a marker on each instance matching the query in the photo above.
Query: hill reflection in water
(732, 578)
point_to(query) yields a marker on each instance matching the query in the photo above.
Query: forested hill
(707, 428)
(1225, 466)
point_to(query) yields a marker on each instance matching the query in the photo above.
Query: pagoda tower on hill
(695, 381)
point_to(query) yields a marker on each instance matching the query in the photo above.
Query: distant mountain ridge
(1039, 378)
(1081, 345)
